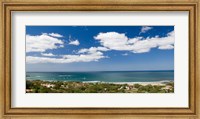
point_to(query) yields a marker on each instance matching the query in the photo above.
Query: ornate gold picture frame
(9, 6)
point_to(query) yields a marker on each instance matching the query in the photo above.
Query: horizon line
(107, 71)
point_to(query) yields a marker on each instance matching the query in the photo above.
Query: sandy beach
(161, 83)
(144, 83)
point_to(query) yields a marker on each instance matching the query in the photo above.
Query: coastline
(163, 82)
(44, 86)
(132, 83)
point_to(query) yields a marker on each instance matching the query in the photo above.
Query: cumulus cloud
(144, 29)
(125, 54)
(47, 54)
(113, 40)
(44, 42)
(166, 47)
(41, 43)
(95, 56)
(109, 41)
(67, 58)
(56, 35)
(75, 42)
(92, 50)
(120, 42)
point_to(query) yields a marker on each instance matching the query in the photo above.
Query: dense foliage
(39, 86)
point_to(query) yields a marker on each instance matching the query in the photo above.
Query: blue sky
(99, 48)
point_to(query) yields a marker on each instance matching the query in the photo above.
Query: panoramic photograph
(100, 59)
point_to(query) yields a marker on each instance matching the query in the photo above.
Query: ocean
(103, 76)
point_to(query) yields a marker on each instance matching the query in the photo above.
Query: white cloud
(144, 29)
(47, 54)
(113, 40)
(56, 35)
(41, 43)
(92, 50)
(109, 41)
(166, 47)
(120, 42)
(75, 42)
(125, 54)
(95, 56)
(66, 58)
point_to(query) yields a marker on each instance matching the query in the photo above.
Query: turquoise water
(107, 76)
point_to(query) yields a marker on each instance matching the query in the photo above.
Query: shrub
(137, 85)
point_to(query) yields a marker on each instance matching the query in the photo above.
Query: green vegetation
(39, 86)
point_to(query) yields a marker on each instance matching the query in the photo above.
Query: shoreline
(143, 83)
(163, 82)
(44, 86)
